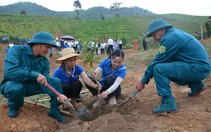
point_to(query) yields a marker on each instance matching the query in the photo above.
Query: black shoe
(13, 112)
(196, 92)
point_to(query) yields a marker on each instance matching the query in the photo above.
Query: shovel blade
(82, 112)
(127, 99)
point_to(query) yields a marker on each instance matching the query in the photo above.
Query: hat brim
(149, 34)
(59, 60)
(42, 41)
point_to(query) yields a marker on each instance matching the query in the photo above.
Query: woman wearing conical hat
(69, 72)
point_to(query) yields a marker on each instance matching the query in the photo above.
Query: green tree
(23, 12)
(115, 7)
(102, 17)
(90, 57)
(77, 6)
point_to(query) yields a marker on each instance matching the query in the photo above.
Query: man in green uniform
(26, 73)
(208, 27)
(181, 59)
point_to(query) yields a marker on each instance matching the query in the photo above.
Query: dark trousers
(108, 82)
(120, 46)
(102, 51)
(16, 91)
(145, 45)
(73, 89)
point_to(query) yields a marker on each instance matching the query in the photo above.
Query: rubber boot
(168, 105)
(56, 115)
(13, 112)
(196, 92)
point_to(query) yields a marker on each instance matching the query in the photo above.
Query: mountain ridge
(91, 13)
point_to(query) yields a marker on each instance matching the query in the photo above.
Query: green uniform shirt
(20, 65)
(176, 45)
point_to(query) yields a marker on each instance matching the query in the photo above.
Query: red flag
(135, 45)
(58, 35)
(96, 38)
(105, 38)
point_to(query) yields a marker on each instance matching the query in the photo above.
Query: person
(98, 51)
(7, 49)
(208, 27)
(181, 59)
(51, 52)
(110, 45)
(115, 44)
(144, 42)
(120, 43)
(26, 73)
(58, 44)
(69, 72)
(102, 47)
(197, 35)
(113, 72)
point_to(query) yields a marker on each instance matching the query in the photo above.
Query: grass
(126, 28)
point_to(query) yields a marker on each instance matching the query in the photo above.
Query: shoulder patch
(162, 49)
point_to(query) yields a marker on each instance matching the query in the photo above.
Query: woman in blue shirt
(69, 73)
(113, 72)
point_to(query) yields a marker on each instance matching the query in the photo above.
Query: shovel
(81, 112)
(126, 100)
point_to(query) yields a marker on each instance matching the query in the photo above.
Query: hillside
(92, 13)
(127, 28)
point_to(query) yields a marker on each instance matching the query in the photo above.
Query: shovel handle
(53, 90)
(58, 94)
(134, 93)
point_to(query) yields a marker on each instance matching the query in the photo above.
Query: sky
(189, 7)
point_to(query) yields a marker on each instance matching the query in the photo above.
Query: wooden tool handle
(53, 90)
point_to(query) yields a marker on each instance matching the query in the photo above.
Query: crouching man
(26, 73)
(181, 59)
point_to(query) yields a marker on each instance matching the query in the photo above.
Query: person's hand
(103, 95)
(140, 86)
(42, 79)
(98, 87)
(93, 73)
(62, 98)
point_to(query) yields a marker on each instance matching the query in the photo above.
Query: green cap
(43, 38)
(156, 25)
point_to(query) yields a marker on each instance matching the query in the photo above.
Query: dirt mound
(112, 122)
(31, 118)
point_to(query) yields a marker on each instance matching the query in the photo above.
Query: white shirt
(110, 42)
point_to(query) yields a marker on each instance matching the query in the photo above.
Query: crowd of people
(181, 59)
(105, 47)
